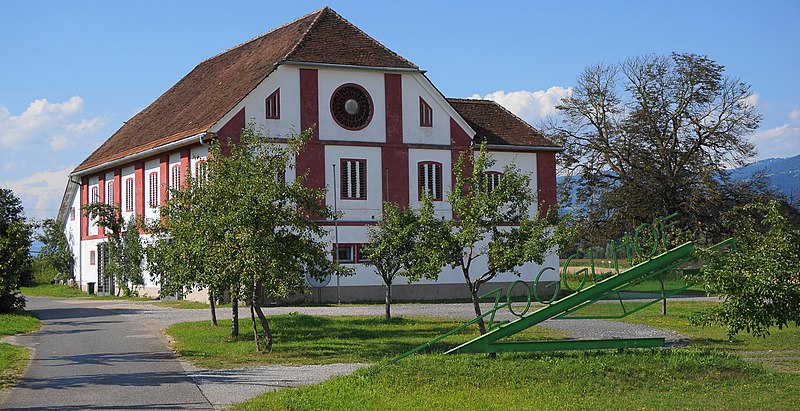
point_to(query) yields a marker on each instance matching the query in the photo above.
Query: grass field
(13, 358)
(636, 380)
(53, 290)
(305, 339)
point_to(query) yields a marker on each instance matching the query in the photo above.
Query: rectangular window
(110, 192)
(344, 254)
(129, 194)
(273, 105)
(362, 253)
(430, 180)
(71, 213)
(353, 179)
(175, 177)
(92, 258)
(95, 195)
(153, 199)
(492, 180)
(425, 114)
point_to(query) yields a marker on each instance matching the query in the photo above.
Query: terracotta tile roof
(216, 85)
(493, 123)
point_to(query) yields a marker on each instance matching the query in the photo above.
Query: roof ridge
(319, 11)
(305, 33)
(338, 16)
(470, 100)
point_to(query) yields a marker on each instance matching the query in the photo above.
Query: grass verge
(53, 290)
(305, 339)
(13, 358)
(652, 379)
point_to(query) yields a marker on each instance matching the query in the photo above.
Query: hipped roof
(496, 125)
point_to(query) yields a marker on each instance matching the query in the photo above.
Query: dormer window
(425, 114)
(273, 105)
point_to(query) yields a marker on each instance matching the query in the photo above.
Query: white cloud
(751, 100)
(43, 121)
(778, 142)
(532, 106)
(41, 192)
(794, 115)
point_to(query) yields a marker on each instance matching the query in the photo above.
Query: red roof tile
(496, 125)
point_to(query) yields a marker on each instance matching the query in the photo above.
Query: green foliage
(759, 280)
(242, 227)
(657, 379)
(654, 135)
(18, 322)
(56, 250)
(13, 360)
(492, 223)
(123, 248)
(15, 243)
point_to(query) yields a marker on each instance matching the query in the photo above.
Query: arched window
(491, 180)
(129, 194)
(95, 195)
(110, 192)
(153, 198)
(200, 171)
(429, 178)
(175, 177)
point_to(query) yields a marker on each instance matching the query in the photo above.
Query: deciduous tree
(15, 243)
(56, 250)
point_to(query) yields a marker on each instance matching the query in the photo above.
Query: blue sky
(72, 72)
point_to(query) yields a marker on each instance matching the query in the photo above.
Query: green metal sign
(648, 243)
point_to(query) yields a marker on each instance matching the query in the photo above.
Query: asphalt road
(88, 358)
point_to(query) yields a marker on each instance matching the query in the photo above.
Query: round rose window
(351, 106)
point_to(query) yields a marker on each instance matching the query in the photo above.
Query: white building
(387, 129)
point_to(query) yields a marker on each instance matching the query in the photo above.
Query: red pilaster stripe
(546, 180)
(394, 154)
(312, 159)
(163, 178)
(231, 132)
(459, 142)
(118, 188)
(138, 182)
(84, 201)
(185, 169)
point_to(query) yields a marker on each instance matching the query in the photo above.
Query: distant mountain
(783, 173)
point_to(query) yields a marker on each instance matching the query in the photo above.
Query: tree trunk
(663, 299)
(253, 319)
(265, 326)
(476, 304)
(211, 303)
(235, 315)
(388, 288)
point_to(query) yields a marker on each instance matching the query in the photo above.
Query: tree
(652, 136)
(123, 248)
(490, 222)
(758, 280)
(246, 227)
(391, 245)
(56, 250)
(15, 243)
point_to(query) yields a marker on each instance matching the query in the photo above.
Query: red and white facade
(408, 141)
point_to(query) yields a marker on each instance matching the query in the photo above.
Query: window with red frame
(129, 194)
(95, 195)
(200, 171)
(353, 179)
(175, 177)
(273, 105)
(492, 180)
(345, 253)
(92, 257)
(110, 192)
(425, 114)
(429, 175)
(153, 198)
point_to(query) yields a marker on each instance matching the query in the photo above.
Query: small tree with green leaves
(491, 221)
(245, 228)
(759, 279)
(391, 245)
(56, 250)
(124, 247)
(15, 244)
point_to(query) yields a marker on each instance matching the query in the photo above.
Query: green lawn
(305, 339)
(13, 358)
(636, 380)
(52, 290)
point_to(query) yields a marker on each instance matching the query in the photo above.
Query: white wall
(442, 208)
(414, 87)
(355, 210)
(525, 162)
(370, 80)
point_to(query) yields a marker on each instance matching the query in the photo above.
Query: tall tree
(56, 250)
(15, 243)
(492, 221)
(247, 227)
(654, 135)
(124, 247)
(759, 279)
